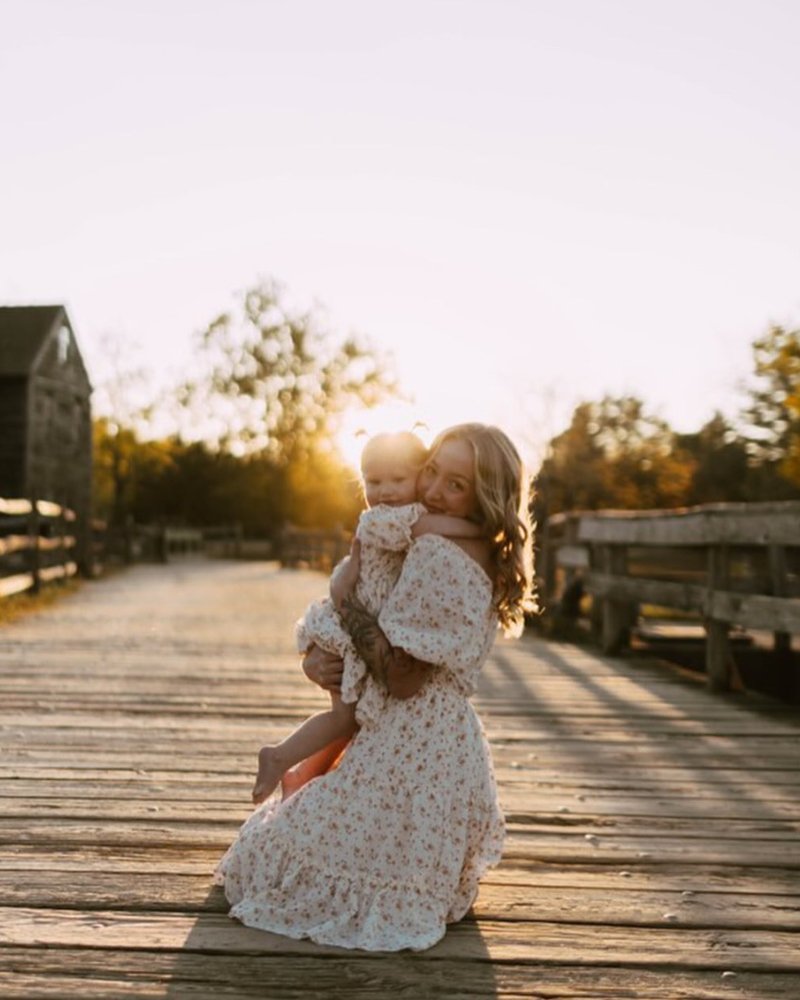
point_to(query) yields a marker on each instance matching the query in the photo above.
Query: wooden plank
(172, 799)
(755, 611)
(626, 788)
(744, 950)
(15, 584)
(64, 974)
(743, 524)
(497, 901)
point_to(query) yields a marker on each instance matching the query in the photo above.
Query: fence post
(776, 554)
(547, 555)
(718, 645)
(617, 615)
(33, 535)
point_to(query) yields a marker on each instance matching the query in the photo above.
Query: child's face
(389, 480)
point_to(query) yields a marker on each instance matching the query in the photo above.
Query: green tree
(275, 381)
(773, 413)
(614, 454)
(722, 469)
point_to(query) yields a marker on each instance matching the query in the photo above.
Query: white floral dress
(385, 536)
(384, 851)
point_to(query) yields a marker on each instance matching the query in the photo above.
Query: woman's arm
(445, 524)
(401, 674)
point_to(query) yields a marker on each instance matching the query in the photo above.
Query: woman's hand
(323, 668)
(345, 577)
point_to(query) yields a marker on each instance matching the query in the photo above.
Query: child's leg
(315, 734)
(312, 767)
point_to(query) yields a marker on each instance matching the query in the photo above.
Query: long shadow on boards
(223, 959)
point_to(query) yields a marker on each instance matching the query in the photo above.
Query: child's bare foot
(270, 772)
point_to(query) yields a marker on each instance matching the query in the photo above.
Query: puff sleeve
(322, 626)
(388, 527)
(440, 610)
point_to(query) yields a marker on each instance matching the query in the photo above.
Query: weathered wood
(664, 571)
(755, 611)
(685, 596)
(747, 950)
(71, 973)
(719, 666)
(731, 524)
(618, 614)
(653, 829)
(612, 904)
(779, 580)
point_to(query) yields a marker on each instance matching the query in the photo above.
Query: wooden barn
(45, 413)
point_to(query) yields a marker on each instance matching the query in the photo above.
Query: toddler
(390, 464)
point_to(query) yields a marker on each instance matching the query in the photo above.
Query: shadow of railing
(647, 728)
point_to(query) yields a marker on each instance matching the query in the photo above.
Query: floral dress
(384, 851)
(385, 536)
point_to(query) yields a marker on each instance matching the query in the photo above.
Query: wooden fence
(730, 564)
(317, 549)
(37, 544)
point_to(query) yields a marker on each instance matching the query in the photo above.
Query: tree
(773, 414)
(275, 381)
(123, 404)
(113, 465)
(722, 470)
(614, 455)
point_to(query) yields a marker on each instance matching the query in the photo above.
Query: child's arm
(444, 524)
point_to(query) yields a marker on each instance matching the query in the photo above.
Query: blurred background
(275, 226)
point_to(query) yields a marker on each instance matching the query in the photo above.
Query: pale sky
(525, 203)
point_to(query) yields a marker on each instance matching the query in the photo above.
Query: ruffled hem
(290, 895)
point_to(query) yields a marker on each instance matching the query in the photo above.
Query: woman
(384, 851)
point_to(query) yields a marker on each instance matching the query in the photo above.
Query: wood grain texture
(654, 829)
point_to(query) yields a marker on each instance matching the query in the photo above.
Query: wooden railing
(314, 548)
(731, 564)
(37, 544)
(131, 542)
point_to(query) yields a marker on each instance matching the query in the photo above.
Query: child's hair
(402, 446)
(502, 491)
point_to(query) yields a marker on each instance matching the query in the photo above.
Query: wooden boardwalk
(654, 829)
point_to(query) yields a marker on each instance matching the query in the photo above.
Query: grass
(27, 603)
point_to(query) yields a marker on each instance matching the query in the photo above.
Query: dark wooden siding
(12, 437)
(60, 443)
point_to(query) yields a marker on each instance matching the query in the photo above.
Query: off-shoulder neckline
(454, 546)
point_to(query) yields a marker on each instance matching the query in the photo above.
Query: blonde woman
(383, 852)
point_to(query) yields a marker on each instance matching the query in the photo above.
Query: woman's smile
(447, 481)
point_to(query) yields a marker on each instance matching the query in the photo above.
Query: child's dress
(385, 850)
(385, 536)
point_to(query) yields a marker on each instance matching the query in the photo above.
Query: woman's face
(446, 483)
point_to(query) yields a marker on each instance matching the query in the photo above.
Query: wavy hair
(502, 492)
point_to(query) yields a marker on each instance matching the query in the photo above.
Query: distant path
(654, 828)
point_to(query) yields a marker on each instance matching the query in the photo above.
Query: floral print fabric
(382, 852)
(385, 536)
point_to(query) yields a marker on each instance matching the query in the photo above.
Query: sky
(523, 203)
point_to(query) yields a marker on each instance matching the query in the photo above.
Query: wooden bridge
(654, 826)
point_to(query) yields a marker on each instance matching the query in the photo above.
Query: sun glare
(360, 425)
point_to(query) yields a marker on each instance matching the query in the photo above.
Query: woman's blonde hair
(502, 492)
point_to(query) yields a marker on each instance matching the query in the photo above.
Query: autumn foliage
(258, 424)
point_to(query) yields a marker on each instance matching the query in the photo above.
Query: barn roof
(23, 331)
